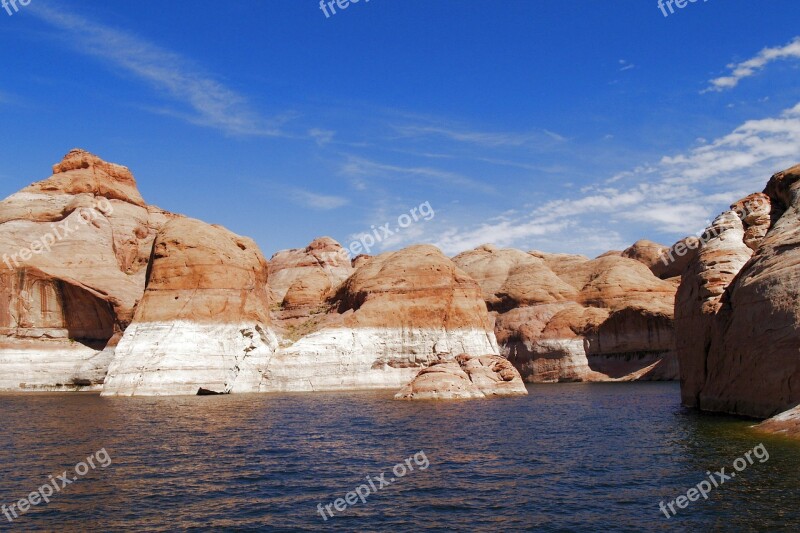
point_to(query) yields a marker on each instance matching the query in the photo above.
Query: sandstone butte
(63, 310)
(139, 301)
(737, 315)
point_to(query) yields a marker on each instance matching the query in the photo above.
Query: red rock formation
(203, 322)
(323, 256)
(360, 260)
(303, 280)
(74, 250)
(396, 314)
(512, 278)
(737, 317)
(414, 287)
(204, 273)
(649, 253)
(568, 318)
(786, 424)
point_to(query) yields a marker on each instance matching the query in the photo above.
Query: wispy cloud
(508, 232)
(489, 139)
(298, 195)
(745, 69)
(679, 193)
(207, 101)
(322, 137)
(320, 202)
(360, 168)
(625, 65)
(753, 147)
(674, 197)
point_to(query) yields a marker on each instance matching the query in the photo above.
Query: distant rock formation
(74, 251)
(737, 314)
(119, 296)
(303, 280)
(648, 253)
(323, 259)
(567, 318)
(465, 378)
(396, 314)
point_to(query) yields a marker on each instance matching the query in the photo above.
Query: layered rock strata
(397, 313)
(786, 424)
(568, 318)
(203, 322)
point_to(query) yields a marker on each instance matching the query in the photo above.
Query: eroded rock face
(546, 343)
(568, 318)
(142, 302)
(615, 283)
(648, 253)
(737, 316)
(466, 377)
(74, 249)
(324, 260)
(511, 278)
(755, 212)
(395, 314)
(203, 321)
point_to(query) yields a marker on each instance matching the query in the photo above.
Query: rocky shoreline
(130, 299)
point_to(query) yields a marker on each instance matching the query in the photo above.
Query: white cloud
(751, 149)
(675, 197)
(503, 233)
(209, 102)
(745, 69)
(490, 139)
(322, 137)
(320, 202)
(358, 168)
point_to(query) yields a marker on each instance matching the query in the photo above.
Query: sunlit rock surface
(563, 317)
(738, 312)
(466, 377)
(74, 251)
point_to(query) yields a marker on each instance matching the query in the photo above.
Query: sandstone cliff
(786, 424)
(397, 313)
(737, 311)
(204, 320)
(302, 280)
(74, 250)
(568, 318)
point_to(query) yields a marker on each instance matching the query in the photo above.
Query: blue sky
(564, 126)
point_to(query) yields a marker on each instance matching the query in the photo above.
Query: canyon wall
(737, 309)
(568, 318)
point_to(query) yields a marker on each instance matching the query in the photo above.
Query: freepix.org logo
(8, 5)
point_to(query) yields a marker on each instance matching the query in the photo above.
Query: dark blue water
(571, 457)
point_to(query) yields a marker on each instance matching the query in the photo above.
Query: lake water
(569, 457)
